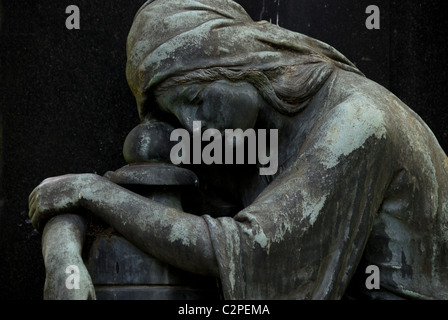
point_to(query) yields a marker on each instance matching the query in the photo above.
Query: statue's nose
(148, 142)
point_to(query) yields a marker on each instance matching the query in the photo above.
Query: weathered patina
(361, 180)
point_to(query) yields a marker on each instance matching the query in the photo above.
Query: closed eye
(197, 100)
(194, 96)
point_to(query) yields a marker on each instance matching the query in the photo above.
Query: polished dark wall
(66, 107)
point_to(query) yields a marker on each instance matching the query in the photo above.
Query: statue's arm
(346, 149)
(177, 237)
(62, 242)
(305, 233)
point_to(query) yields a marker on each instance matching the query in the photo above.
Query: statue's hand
(57, 195)
(66, 281)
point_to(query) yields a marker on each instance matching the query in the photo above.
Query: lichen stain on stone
(312, 207)
(172, 213)
(180, 233)
(261, 239)
(351, 126)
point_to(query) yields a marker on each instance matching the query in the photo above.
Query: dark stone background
(66, 107)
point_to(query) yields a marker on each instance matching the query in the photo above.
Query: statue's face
(219, 105)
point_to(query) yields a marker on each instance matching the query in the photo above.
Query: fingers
(55, 195)
(33, 208)
(34, 215)
(92, 294)
(32, 196)
(32, 200)
(36, 203)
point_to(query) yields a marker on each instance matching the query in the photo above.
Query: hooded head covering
(172, 37)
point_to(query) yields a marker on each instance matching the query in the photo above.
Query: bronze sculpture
(361, 178)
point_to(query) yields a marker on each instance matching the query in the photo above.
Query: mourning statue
(361, 180)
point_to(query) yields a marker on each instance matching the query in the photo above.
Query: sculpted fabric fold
(173, 37)
(366, 183)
